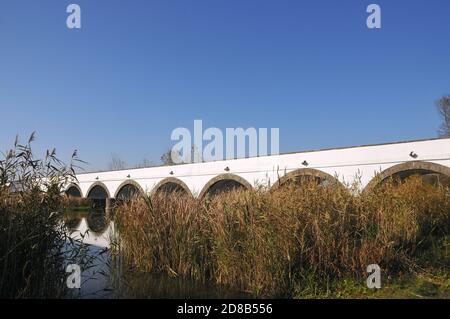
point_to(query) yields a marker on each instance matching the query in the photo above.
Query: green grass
(418, 286)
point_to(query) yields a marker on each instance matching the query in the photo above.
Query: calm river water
(106, 277)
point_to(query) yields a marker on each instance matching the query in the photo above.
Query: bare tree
(166, 158)
(117, 163)
(145, 163)
(443, 106)
(169, 158)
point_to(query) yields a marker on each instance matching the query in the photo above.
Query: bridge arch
(99, 195)
(98, 190)
(128, 189)
(73, 190)
(407, 169)
(310, 173)
(224, 182)
(170, 185)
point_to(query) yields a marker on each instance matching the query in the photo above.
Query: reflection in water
(91, 228)
(144, 285)
(92, 234)
(72, 222)
(97, 221)
(105, 277)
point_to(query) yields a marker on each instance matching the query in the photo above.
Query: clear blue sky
(138, 69)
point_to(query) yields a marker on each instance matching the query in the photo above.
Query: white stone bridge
(426, 157)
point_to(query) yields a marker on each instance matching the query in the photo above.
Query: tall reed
(31, 235)
(281, 242)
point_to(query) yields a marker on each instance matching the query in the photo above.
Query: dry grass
(282, 242)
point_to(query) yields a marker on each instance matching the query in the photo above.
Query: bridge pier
(109, 203)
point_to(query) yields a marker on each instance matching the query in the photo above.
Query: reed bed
(32, 237)
(287, 242)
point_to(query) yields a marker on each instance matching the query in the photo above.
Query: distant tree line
(166, 158)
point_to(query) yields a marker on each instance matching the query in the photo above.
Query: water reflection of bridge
(93, 228)
(428, 158)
